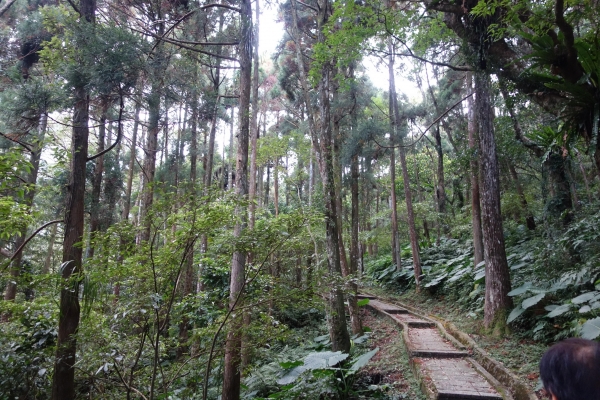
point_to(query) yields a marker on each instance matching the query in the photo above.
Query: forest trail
(446, 368)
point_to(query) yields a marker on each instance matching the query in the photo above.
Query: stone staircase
(445, 367)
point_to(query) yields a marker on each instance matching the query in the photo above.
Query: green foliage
(111, 54)
(302, 371)
(14, 214)
(28, 350)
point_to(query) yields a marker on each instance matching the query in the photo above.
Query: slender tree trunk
(150, 150)
(354, 246)
(34, 158)
(276, 186)
(97, 182)
(233, 345)
(441, 186)
(414, 241)
(63, 379)
(131, 169)
(188, 275)
(322, 142)
(421, 198)
(151, 145)
(208, 166)
(347, 270)
(475, 167)
(50, 251)
(497, 278)
(393, 133)
(254, 122)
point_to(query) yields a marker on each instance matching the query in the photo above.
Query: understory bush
(555, 276)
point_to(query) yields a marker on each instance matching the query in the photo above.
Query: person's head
(570, 370)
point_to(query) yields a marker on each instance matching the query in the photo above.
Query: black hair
(570, 370)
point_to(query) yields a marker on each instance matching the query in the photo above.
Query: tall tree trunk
(151, 145)
(393, 133)
(475, 167)
(440, 190)
(497, 278)
(233, 344)
(97, 182)
(188, 275)
(131, 168)
(63, 379)
(276, 185)
(50, 251)
(150, 150)
(354, 245)
(322, 142)
(414, 241)
(347, 270)
(254, 122)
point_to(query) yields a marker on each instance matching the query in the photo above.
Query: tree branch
(429, 127)
(119, 134)
(16, 253)
(175, 42)
(6, 7)
(25, 146)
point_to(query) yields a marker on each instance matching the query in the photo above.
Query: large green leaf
(362, 302)
(520, 290)
(560, 310)
(591, 329)
(363, 360)
(292, 375)
(532, 301)
(320, 360)
(324, 359)
(514, 314)
(582, 298)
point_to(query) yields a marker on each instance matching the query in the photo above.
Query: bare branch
(119, 134)
(24, 145)
(429, 127)
(6, 7)
(18, 251)
(175, 42)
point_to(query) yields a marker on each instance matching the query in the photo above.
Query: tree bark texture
(63, 379)
(474, 165)
(97, 182)
(131, 169)
(497, 277)
(412, 229)
(254, 122)
(233, 345)
(393, 129)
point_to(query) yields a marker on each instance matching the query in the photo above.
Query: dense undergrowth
(555, 276)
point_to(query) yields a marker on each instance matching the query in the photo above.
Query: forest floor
(389, 368)
(519, 355)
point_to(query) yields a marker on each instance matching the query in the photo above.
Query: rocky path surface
(446, 368)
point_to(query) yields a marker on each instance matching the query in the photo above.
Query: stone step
(365, 296)
(413, 322)
(388, 308)
(429, 343)
(455, 379)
